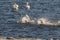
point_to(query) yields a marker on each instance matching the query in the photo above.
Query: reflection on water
(49, 9)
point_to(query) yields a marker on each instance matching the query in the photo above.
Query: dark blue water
(39, 8)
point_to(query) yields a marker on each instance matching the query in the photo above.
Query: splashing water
(45, 21)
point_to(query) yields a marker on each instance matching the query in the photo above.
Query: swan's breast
(27, 6)
(25, 19)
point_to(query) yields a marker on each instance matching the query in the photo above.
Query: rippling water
(49, 9)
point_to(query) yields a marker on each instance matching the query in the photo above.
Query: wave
(45, 21)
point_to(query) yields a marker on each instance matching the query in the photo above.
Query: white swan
(25, 19)
(27, 6)
(15, 7)
(43, 20)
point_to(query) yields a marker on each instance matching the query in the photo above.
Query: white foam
(38, 21)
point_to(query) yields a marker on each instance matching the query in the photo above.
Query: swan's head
(27, 15)
(27, 3)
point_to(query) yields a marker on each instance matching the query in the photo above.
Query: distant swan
(28, 6)
(15, 7)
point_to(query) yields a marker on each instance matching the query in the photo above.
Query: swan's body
(38, 22)
(28, 6)
(15, 7)
(43, 20)
(25, 19)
